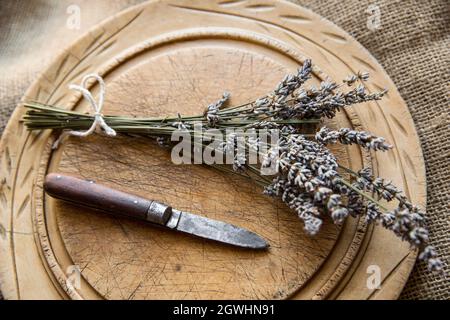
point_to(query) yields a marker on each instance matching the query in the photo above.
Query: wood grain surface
(166, 57)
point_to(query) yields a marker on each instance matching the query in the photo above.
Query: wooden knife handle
(90, 194)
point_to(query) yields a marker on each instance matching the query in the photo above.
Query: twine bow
(99, 123)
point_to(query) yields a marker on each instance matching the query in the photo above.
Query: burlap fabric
(412, 42)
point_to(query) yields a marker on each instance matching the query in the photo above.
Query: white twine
(99, 123)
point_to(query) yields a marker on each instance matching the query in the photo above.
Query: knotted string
(99, 123)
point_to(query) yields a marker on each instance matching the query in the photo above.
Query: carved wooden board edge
(14, 136)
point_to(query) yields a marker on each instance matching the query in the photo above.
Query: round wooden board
(166, 57)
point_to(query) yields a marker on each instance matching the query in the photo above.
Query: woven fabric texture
(411, 41)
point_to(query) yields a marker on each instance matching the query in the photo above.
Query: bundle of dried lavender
(308, 178)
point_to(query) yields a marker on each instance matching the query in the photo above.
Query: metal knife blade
(216, 230)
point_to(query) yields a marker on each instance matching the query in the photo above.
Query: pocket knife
(90, 194)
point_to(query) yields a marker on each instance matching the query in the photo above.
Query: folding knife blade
(215, 230)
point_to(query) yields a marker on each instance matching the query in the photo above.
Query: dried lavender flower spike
(290, 83)
(325, 102)
(429, 255)
(406, 221)
(348, 136)
(360, 76)
(212, 112)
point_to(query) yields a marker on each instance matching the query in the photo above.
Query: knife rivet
(135, 201)
(58, 177)
(90, 181)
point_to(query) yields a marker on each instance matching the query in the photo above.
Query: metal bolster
(158, 213)
(173, 221)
